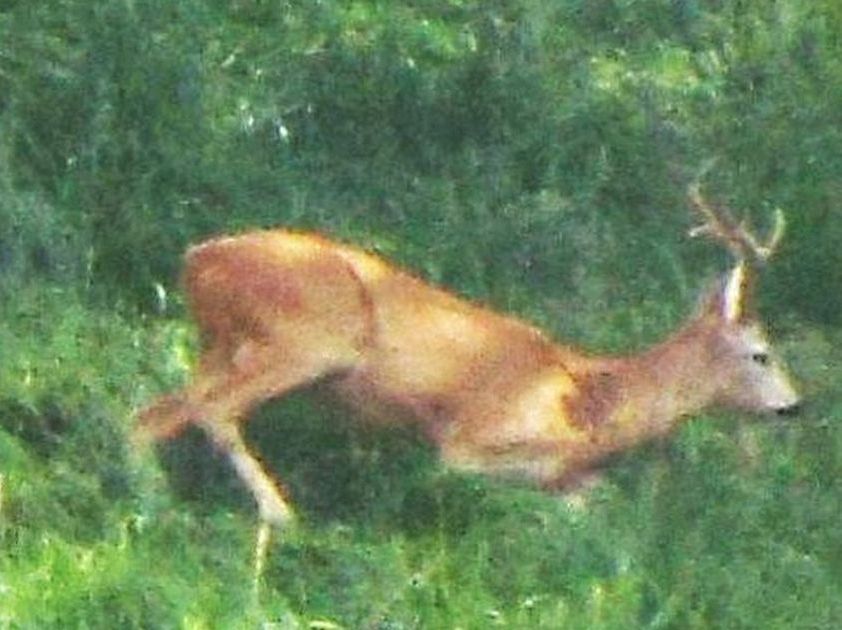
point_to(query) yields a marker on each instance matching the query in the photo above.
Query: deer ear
(735, 291)
(727, 300)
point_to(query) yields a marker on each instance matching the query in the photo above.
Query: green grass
(723, 525)
(531, 155)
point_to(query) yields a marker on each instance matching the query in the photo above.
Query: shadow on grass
(384, 479)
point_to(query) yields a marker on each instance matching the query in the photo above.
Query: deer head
(749, 374)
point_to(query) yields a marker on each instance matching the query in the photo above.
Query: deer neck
(646, 395)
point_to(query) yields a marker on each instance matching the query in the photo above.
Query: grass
(723, 525)
(530, 154)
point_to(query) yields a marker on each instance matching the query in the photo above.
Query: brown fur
(598, 393)
(279, 310)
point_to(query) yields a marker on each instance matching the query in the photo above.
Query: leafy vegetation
(531, 155)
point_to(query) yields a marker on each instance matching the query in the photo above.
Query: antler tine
(775, 237)
(719, 224)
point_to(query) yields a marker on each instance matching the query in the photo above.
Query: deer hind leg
(272, 503)
(256, 373)
(169, 415)
(164, 418)
(226, 390)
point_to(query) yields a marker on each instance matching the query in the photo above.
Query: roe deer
(278, 310)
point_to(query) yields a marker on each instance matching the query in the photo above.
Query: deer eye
(761, 358)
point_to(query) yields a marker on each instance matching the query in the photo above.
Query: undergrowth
(723, 525)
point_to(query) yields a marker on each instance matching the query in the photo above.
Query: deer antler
(719, 224)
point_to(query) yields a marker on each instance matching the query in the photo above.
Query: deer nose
(790, 410)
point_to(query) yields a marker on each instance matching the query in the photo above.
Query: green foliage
(146, 125)
(531, 155)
